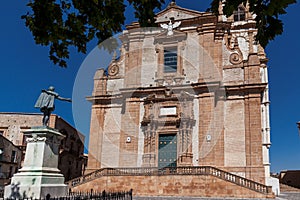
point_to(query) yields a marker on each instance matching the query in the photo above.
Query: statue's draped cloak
(46, 100)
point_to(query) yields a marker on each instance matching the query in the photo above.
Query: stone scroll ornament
(235, 58)
(45, 103)
(35, 138)
(113, 70)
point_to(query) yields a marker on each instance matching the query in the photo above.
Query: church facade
(193, 92)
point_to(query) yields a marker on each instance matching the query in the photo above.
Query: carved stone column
(185, 143)
(186, 125)
(149, 145)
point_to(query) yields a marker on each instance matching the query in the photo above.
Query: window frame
(170, 64)
(13, 157)
(239, 14)
(1, 154)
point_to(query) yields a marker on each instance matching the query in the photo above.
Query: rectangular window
(24, 143)
(170, 60)
(239, 15)
(13, 157)
(10, 173)
(1, 154)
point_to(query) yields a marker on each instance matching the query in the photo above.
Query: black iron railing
(88, 195)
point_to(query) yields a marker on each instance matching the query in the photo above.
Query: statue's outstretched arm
(64, 99)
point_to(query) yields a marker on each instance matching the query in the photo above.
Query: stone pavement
(289, 196)
(283, 196)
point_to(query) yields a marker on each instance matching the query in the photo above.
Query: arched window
(239, 14)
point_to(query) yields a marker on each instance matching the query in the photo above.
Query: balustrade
(152, 171)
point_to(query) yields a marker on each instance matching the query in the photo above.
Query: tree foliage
(267, 14)
(60, 24)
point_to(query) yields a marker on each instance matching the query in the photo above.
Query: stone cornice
(252, 90)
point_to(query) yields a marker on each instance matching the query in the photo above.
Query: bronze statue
(46, 103)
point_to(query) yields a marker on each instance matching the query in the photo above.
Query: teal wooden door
(167, 153)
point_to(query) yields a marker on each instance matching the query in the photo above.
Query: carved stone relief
(165, 113)
(35, 138)
(113, 70)
(235, 58)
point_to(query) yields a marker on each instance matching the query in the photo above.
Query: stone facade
(72, 161)
(290, 177)
(201, 89)
(10, 161)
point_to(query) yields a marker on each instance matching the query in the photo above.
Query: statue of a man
(46, 103)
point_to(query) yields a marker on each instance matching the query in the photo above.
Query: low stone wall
(176, 185)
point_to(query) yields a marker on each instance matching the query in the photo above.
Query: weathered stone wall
(111, 139)
(129, 136)
(13, 124)
(71, 159)
(9, 163)
(96, 141)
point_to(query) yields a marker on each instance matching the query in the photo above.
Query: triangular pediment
(177, 13)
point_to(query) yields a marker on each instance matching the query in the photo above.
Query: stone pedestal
(149, 160)
(39, 175)
(186, 159)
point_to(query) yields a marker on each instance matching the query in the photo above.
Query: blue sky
(26, 69)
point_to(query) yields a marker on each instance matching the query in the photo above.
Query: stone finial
(114, 56)
(172, 3)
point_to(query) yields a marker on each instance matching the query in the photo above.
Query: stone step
(282, 196)
(190, 198)
(286, 188)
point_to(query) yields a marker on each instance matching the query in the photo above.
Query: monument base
(39, 176)
(36, 185)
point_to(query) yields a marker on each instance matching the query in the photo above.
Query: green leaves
(267, 19)
(144, 11)
(65, 23)
(267, 14)
(61, 24)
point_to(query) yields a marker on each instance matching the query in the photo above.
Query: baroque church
(189, 95)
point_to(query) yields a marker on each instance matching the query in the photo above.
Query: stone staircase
(286, 188)
(175, 171)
